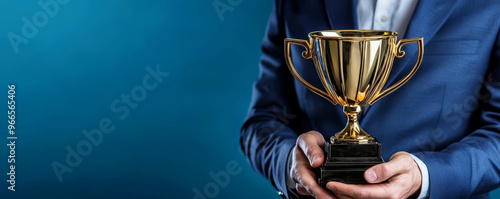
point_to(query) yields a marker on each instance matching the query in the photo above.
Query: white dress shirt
(393, 15)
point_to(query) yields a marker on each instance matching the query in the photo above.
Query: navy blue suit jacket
(448, 114)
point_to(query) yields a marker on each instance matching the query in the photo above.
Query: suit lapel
(428, 17)
(341, 14)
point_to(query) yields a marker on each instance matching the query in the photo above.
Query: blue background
(89, 54)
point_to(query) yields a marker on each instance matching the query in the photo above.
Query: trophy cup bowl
(353, 67)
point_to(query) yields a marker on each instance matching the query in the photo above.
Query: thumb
(311, 144)
(399, 163)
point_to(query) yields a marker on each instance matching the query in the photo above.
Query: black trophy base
(347, 162)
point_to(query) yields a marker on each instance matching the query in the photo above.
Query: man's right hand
(308, 154)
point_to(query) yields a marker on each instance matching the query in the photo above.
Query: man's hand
(403, 172)
(308, 154)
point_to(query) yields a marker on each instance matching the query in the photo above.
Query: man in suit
(440, 132)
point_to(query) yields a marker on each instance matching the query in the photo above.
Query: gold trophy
(353, 66)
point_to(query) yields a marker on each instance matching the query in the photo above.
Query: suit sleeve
(267, 135)
(472, 165)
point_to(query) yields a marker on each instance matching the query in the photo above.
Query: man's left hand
(402, 171)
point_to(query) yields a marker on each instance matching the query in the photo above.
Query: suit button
(281, 194)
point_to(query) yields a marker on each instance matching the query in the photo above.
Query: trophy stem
(352, 133)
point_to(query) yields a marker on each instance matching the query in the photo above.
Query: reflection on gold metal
(353, 66)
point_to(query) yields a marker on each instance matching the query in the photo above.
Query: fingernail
(371, 176)
(314, 158)
(331, 187)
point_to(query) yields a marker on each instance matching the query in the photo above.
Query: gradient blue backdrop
(91, 52)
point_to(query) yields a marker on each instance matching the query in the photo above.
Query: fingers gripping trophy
(353, 66)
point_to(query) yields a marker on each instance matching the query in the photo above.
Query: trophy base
(347, 162)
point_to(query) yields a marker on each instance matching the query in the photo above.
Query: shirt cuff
(424, 192)
(289, 182)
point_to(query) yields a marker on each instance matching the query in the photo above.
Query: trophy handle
(400, 54)
(307, 55)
